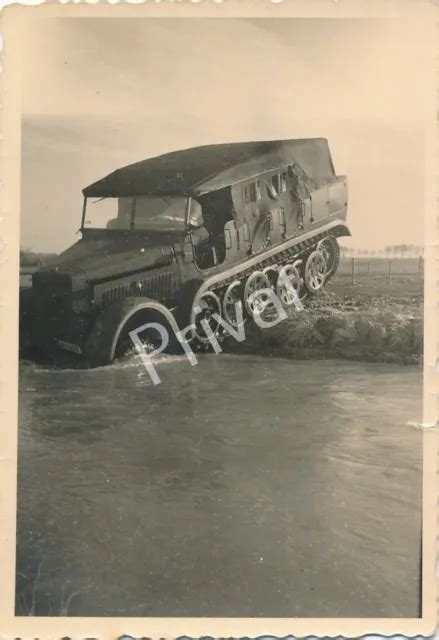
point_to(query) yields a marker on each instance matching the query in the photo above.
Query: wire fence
(353, 269)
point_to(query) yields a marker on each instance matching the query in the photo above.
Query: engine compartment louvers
(158, 287)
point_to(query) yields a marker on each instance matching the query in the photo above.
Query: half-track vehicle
(183, 236)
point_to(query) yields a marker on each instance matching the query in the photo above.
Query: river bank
(372, 321)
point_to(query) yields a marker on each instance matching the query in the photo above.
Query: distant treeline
(392, 251)
(32, 259)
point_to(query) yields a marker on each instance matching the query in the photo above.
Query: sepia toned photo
(224, 330)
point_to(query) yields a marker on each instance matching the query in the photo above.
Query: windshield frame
(132, 228)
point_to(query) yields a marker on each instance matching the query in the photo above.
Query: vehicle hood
(97, 259)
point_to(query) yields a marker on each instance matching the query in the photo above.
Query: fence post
(390, 272)
(368, 268)
(420, 267)
(353, 270)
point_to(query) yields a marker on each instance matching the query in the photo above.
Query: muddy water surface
(244, 486)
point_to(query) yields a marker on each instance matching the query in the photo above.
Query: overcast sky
(100, 93)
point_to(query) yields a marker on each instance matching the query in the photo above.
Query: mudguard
(100, 347)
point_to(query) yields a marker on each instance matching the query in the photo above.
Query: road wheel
(331, 252)
(205, 308)
(256, 293)
(288, 285)
(232, 298)
(315, 271)
(272, 275)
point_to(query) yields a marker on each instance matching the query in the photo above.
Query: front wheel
(149, 339)
(110, 338)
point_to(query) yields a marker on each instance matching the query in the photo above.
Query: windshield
(142, 213)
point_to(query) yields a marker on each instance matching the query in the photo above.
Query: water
(244, 486)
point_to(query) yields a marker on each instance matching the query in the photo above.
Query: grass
(380, 266)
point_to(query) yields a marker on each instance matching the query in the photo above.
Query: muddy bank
(342, 324)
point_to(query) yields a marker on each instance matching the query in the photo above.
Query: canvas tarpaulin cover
(208, 168)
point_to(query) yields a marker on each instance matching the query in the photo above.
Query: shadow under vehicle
(177, 238)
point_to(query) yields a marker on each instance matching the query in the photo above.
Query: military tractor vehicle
(183, 236)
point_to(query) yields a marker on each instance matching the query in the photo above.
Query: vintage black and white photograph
(222, 266)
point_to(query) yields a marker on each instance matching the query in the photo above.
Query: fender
(100, 346)
(341, 230)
